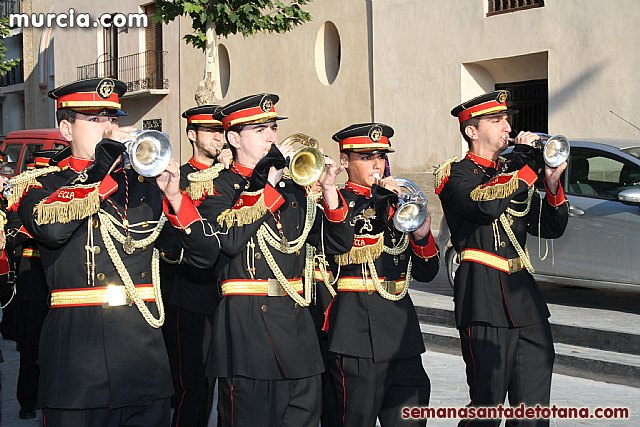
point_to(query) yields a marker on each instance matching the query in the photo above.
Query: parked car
(19, 146)
(601, 245)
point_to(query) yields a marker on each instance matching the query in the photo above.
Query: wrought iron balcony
(13, 77)
(140, 71)
(497, 7)
(7, 7)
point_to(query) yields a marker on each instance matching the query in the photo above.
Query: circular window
(224, 71)
(327, 53)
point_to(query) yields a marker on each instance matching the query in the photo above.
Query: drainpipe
(369, 7)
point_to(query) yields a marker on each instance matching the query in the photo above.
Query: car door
(602, 239)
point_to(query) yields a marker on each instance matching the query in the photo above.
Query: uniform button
(187, 231)
(145, 224)
(96, 223)
(264, 308)
(281, 184)
(143, 275)
(96, 250)
(140, 178)
(402, 256)
(258, 255)
(100, 276)
(503, 244)
(294, 204)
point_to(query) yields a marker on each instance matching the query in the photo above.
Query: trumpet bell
(409, 217)
(555, 150)
(412, 209)
(150, 152)
(306, 166)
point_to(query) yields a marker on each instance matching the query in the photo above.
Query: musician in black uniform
(102, 357)
(490, 204)
(373, 327)
(195, 293)
(32, 294)
(265, 350)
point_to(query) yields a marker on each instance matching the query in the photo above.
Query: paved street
(448, 389)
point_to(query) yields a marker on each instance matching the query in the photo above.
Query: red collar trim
(242, 170)
(198, 165)
(482, 161)
(358, 189)
(75, 163)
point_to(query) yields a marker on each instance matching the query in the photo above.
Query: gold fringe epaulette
(245, 214)
(498, 188)
(442, 172)
(201, 182)
(363, 254)
(20, 183)
(60, 211)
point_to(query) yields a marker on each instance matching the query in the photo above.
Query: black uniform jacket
(92, 356)
(365, 324)
(195, 289)
(32, 285)
(264, 337)
(474, 195)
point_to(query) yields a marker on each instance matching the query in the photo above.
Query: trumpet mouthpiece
(376, 176)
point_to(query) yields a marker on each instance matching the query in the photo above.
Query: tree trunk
(207, 86)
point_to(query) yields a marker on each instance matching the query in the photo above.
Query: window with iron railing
(140, 71)
(7, 7)
(13, 77)
(497, 7)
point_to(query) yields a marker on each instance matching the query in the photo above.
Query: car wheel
(453, 262)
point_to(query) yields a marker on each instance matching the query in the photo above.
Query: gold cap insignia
(375, 133)
(502, 96)
(266, 105)
(105, 88)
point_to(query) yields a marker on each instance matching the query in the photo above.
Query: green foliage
(247, 17)
(4, 64)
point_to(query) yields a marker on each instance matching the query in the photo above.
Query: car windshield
(634, 151)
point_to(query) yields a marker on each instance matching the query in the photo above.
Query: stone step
(599, 365)
(575, 326)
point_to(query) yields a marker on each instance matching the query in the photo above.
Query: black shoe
(26, 414)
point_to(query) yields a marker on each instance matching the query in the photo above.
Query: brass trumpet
(149, 153)
(412, 206)
(555, 149)
(307, 164)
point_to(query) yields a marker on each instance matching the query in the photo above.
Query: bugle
(307, 164)
(149, 153)
(555, 149)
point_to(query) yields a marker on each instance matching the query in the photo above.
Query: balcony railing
(13, 77)
(7, 7)
(140, 71)
(497, 7)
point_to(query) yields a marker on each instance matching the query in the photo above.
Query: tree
(5, 65)
(215, 18)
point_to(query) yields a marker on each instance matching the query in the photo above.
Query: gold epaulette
(248, 209)
(68, 204)
(498, 187)
(366, 248)
(441, 174)
(20, 183)
(201, 182)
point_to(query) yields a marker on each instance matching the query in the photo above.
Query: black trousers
(513, 361)
(367, 390)
(193, 389)
(245, 402)
(30, 316)
(154, 414)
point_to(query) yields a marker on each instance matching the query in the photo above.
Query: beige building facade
(401, 62)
